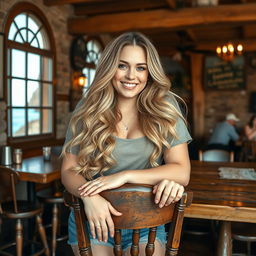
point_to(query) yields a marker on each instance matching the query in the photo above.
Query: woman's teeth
(129, 85)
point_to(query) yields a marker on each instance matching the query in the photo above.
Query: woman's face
(132, 73)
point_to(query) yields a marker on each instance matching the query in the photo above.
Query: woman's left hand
(167, 192)
(96, 186)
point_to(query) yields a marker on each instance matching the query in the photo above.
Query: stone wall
(57, 18)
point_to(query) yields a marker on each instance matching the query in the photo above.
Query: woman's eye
(141, 68)
(122, 66)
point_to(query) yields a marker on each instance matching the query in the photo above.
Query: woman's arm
(97, 209)
(176, 168)
(70, 179)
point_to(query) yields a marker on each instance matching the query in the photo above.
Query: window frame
(25, 7)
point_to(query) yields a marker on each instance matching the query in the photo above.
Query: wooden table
(221, 199)
(36, 170)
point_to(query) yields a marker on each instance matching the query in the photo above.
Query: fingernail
(156, 201)
(160, 205)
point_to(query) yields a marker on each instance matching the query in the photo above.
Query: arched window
(30, 74)
(94, 49)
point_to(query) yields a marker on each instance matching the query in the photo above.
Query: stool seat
(25, 209)
(245, 232)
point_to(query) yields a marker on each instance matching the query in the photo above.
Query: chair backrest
(216, 155)
(136, 202)
(8, 181)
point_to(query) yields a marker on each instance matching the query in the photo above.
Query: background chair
(216, 155)
(139, 211)
(18, 210)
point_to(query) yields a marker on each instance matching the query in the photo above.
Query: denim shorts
(126, 235)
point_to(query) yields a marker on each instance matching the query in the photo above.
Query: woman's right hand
(98, 211)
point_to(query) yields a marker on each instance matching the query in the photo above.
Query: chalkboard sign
(223, 75)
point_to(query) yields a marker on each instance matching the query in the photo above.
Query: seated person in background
(250, 129)
(224, 134)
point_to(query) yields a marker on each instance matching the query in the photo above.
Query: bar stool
(19, 210)
(58, 229)
(53, 196)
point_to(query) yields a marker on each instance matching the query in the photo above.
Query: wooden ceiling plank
(62, 2)
(113, 7)
(186, 17)
(171, 3)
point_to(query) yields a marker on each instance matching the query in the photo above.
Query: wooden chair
(216, 155)
(139, 211)
(18, 210)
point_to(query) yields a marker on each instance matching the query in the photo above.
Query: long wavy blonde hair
(94, 122)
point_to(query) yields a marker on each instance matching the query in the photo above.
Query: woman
(250, 128)
(121, 132)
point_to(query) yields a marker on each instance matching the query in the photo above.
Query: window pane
(47, 69)
(18, 38)
(47, 121)
(33, 66)
(43, 39)
(18, 93)
(35, 43)
(12, 32)
(18, 122)
(47, 95)
(33, 121)
(8, 92)
(33, 24)
(21, 20)
(86, 73)
(18, 63)
(33, 93)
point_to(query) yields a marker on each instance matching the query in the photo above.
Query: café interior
(49, 50)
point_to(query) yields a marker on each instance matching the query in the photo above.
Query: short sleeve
(183, 135)
(75, 149)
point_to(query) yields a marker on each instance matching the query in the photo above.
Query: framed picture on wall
(224, 75)
(1, 65)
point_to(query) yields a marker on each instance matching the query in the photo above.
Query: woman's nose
(130, 73)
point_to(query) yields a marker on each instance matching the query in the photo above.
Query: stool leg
(42, 235)
(19, 237)
(54, 228)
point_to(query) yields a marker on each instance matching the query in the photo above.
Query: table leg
(31, 192)
(224, 246)
(31, 195)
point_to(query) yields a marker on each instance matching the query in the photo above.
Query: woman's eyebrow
(136, 63)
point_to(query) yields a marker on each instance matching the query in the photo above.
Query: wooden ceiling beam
(171, 3)
(112, 7)
(187, 17)
(62, 2)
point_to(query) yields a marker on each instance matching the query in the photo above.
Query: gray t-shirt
(135, 153)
